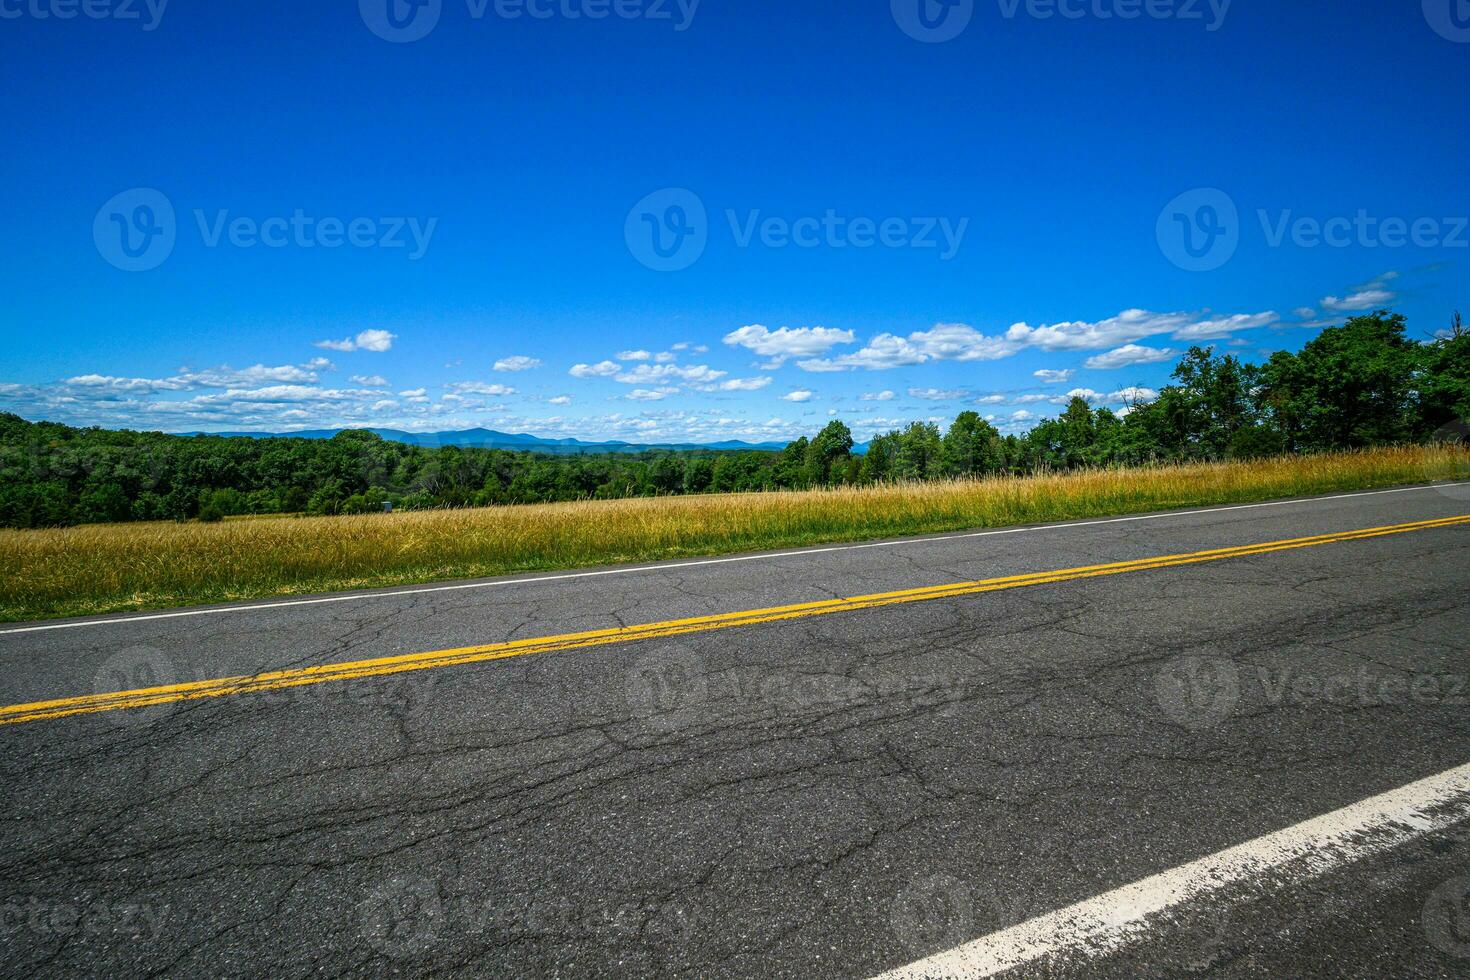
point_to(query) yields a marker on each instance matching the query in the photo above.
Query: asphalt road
(820, 795)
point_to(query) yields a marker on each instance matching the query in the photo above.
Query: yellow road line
(325, 673)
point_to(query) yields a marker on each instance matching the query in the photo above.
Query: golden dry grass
(108, 568)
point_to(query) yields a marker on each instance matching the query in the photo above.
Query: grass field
(117, 567)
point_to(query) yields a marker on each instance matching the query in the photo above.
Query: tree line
(1362, 384)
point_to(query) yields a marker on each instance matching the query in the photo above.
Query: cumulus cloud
(1127, 356)
(647, 373)
(959, 342)
(602, 369)
(517, 363)
(480, 388)
(782, 344)
(125, 384)
(1123, 396)
(1363, 299)
(560, 400)
(1050, 377)
(1371, 295)
(799, 395)
(376, 341)
(741, 384)
(651, 395)
(878, 396)
(371, 380)
(1218, 328)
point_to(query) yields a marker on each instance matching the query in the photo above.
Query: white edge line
(1101, 925)
(667, 566)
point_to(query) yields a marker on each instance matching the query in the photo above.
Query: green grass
(124, 567)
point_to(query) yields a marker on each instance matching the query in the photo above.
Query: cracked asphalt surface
(833, 796)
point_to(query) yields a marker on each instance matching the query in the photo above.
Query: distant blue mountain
(490, 439)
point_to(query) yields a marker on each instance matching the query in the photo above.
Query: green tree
(972, 447)
(827, 452)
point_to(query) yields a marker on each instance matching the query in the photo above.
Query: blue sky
(278, 215)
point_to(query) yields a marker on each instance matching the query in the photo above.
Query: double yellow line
(383, 666)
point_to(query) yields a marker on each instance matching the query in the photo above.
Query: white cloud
(1133, 396)
(603, 369)
(878, 396)
(635, 355)
(1050, 377)
(1221, 327)
(647, 373)
(1128, 326)
(126, 384)
(959, 342)
(646, 395)
(517, 363)
(1364, 299)
(1371, 295)
(741, 384)
(480, 388)
(376, 341)
(787, 342)
(937, 394)
(1119, 397)
(1021, 415)
(416, 395)
(371, 380)
(1128, 356)
(800, 395)
(560, 400)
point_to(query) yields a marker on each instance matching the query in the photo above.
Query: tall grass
(108, 568)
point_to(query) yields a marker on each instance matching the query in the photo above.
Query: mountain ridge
(482, 438)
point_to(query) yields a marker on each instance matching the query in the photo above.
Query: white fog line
(1117, 918)
(674, 566)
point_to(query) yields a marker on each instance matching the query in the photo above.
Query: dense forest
(1364, 383)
